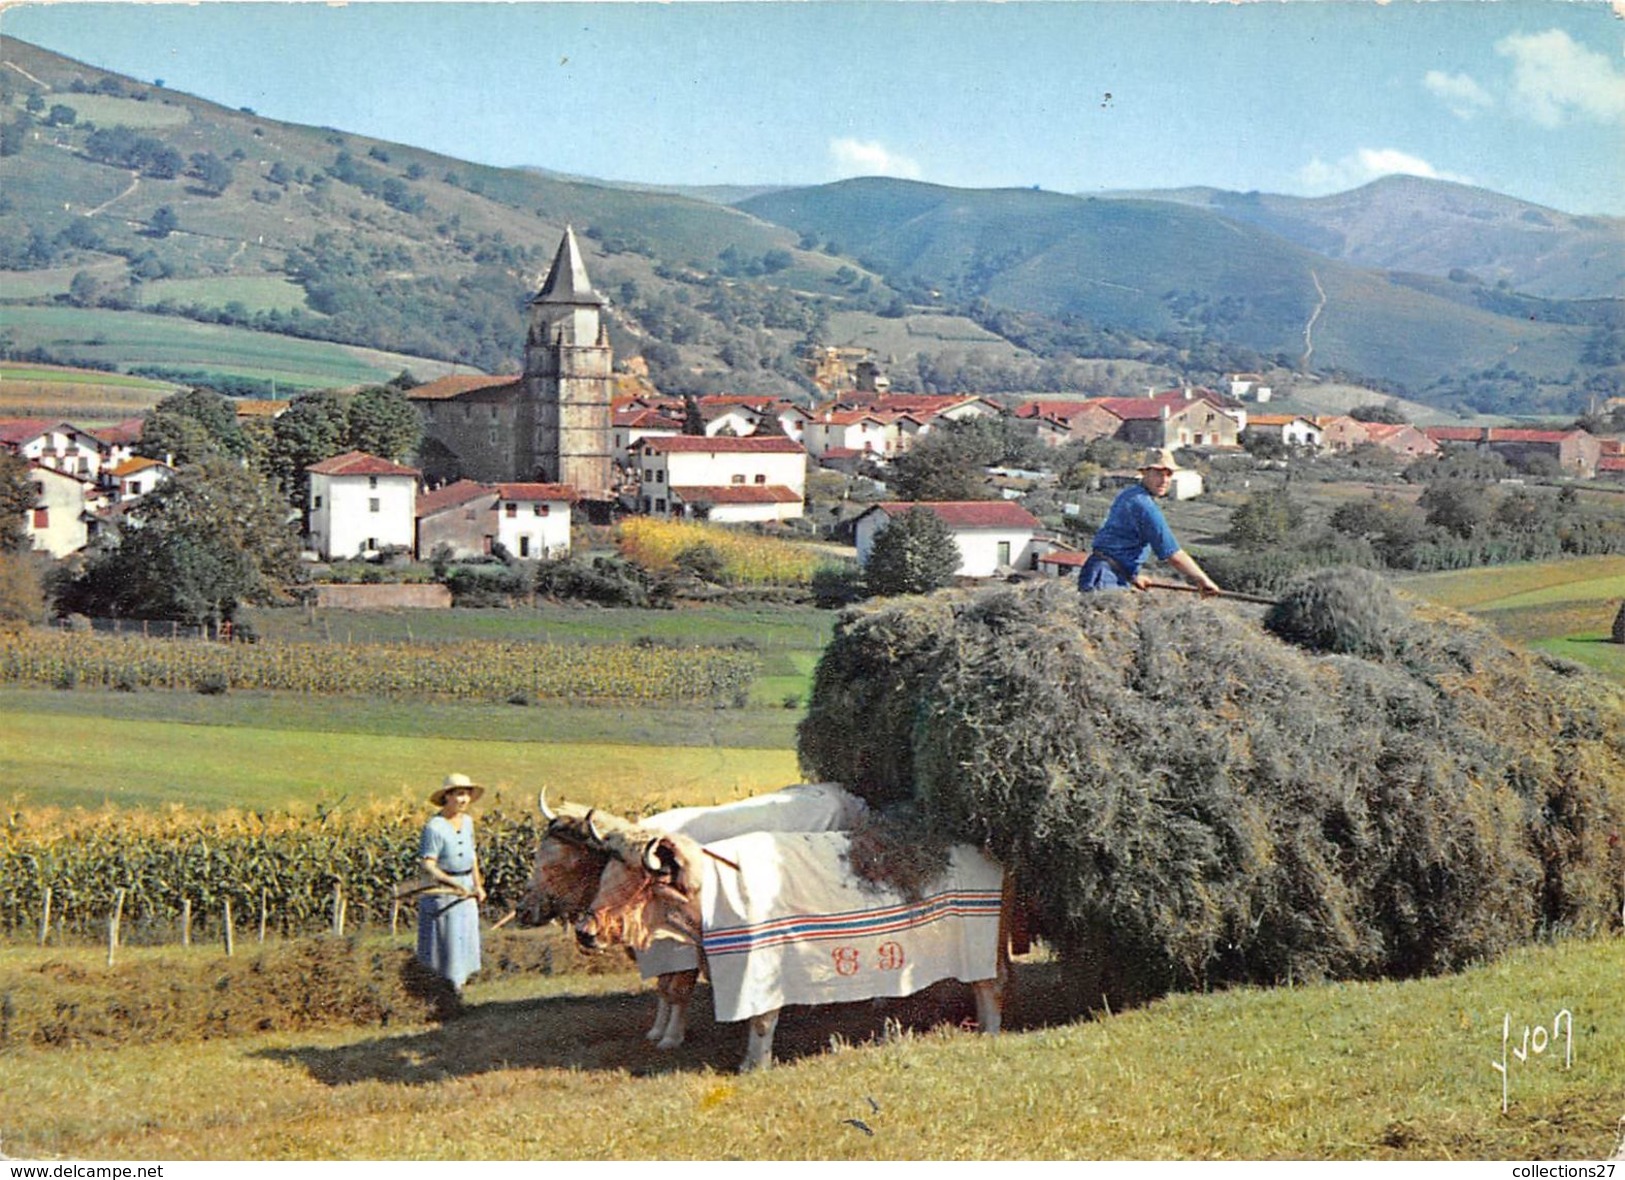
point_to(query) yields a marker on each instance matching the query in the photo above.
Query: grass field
(551, 1066)
(84, 396)
(255, 292)
(136, 338)
(86, 760)
(106, 110)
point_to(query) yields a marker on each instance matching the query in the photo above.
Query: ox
(572, 854)
(782, 920)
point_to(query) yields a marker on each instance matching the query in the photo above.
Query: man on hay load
(1134, 528)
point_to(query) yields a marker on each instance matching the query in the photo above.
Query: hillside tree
(191, 426)
(17, 499)
(310, 430)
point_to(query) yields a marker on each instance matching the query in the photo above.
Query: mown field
(551, 1065)
(84, 396)
(138, 338)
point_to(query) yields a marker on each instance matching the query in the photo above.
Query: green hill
(1166, 270)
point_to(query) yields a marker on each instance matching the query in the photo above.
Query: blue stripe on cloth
(733, 940)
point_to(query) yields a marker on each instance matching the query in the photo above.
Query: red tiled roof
(21, 430)
(1454, 433)
(738, 494)
(458, 385)
(853, 417)
(691, 443)
(537, 491)
(967, 514)
(1058, 408)
(643, 419)
(121, 434)
(359, 463)
(844, 452)
(453, 495)
(1132, 407)
(131, 466)
(1503, 434)
(1063, 557)
(1612, 463)
(260, 408)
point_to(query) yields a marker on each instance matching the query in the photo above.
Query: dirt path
(135, 183)
(1309, 328)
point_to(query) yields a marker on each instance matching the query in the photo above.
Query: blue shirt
(1134, 529)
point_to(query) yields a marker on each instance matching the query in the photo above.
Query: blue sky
(1526, 97)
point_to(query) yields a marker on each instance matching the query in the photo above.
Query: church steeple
(567, 282)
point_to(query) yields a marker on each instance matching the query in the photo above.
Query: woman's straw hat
(455, 782)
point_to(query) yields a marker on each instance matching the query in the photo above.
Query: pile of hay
(1355, 786)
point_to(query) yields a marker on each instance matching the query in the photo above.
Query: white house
(722, 479)
(134, 478)
(630, 425)
(59, 521)
(61, 446)
(864, 431)
(533, 519)
(1291, 429)
(360, 504)
(992, 535)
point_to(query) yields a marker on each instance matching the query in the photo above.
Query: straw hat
(455, 782)
(1161, 457)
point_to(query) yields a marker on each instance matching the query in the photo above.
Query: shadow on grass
(605, 1032)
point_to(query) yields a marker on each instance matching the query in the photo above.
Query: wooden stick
(1233, 595)
(505, 919)
(262, 914)
(45, 918)
(723, 859)
(394, 916)
(228, 928)
(112, 926)
(338, 908)
(186, 921)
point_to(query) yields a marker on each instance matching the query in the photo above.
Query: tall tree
(191, 426)
(312, 429)
(381, 421)
(914, 554)
(202, 543)
(17, 499)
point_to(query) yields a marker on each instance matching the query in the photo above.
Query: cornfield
(285, 867)
(747, 559)
(465, 670)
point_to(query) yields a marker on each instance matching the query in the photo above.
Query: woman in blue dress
(449, 917)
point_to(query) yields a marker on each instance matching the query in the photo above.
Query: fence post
(228, 927)
(394, 915)
(186, 921)
(338, 908)
(112, 926)
(45, 918)
(262, 915)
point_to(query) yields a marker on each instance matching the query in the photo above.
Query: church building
(550, 424)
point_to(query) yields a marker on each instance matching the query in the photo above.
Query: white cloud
(856, 157)
(1553, 78)
(1459, 92)
(1364, 166)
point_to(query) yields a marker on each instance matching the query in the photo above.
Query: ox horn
(541, 801)
(592, 829)
(651, 856)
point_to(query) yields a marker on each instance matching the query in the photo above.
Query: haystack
(1352, 786)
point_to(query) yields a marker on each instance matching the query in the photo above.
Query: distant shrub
(212, 684)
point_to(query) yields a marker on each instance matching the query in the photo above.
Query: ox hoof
(668, 1043)
(653, 1034)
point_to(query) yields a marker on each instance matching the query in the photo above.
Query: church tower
(562, 424)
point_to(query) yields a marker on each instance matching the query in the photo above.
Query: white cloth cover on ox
(795, 926)
(805, 807)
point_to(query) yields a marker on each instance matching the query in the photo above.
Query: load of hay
(1354, 786)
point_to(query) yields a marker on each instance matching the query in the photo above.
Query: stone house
(62, 517)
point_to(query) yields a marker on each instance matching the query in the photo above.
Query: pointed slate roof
(567, 282)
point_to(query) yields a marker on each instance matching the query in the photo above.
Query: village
(509, 463)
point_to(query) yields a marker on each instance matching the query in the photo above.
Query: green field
(1509, 587)
(106, 110)
(54, 374)
(137, 338)
(255, 292)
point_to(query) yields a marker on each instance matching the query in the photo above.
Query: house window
(761, 479)
(1004, 552)
(372, 543)
(524, 545)
(135, 487)
(468, 412)
(471, 514)
(493, 411)
(315, 501)
(372, 481)
(372, 504)
(660, 505)
(539, 509)
(736, 479)
(510, 511)
(42, 518)
(660, 476)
